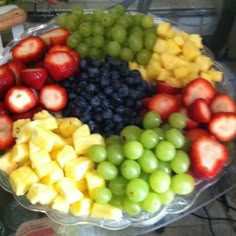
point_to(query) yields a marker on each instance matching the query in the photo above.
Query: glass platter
(180, 204)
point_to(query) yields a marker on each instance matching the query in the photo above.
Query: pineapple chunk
(20, 152)
(46, 168)
(133, 65)
(153, 69)
(169, 61)
(41, 193)
(49, 123)
(162, 29)
(60, 204)
(81, 131)
(204, 62)
(7, 165)
(94, 181)
(184, 35)
(21, 179)
(190, 51)
(106, 211)
(160, 45)
(197, 40)
(53, 176)
(215, 75)
(17, 125)
(82, 185)
(143, 72)
(182, 72)
(64, 155)
(164, 74)
(59, 142)
(172, 47)
(81, 207)
(33, 148)
(44, 114)
(179, 40)
(68, 126)
(177, 83)
(39, 158)
(77, 168)
(82, 143)
(68, 190)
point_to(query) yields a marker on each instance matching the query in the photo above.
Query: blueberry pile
(106, 95)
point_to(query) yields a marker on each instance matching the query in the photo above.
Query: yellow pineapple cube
(82, 143)
(206, 76)
(170, 33)
(21, 179)
(204, 62)
(190, 51)
(68, 190)
(197, 40)
(39, 158)
(172, 47)
(60, 204)
(44, 114)
(184, 35)
(81, 131)
(17, 125)
(216, 75)
(143, 72)
(169, 61)
(179, 40)
(53, 176)
(164, 74)
(68, 126)
(59, 142)
(33, 148)
(182, 72)
(49, 123)
(153, 69)
(20, 152)
(68, 141)
(7, 165)
(106, 211)
(133, 65)
(77, 168)
(94, 181)
(162, 29)
(46, 168)
(174, 82)
(81, 207)
(41, 193)
(160, 45)
(82, 185)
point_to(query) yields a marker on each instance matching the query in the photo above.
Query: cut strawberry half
(223, 126)
(198, 88)
(208, 157)
(34, 77)
(20, 99)
(6, 138)
(195, 133)
(60, 65)
(222, 103)
(7, 79)
(56, 36)
(29, 50)
(164, 104)
(16, 67)
(163, 87)
(3, 109)
(190, 124)
(59, 48)
(199, 111)
(53, 97)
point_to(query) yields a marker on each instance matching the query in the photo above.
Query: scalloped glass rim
(180, 203)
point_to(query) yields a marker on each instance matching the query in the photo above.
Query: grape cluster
(110, 33)
(106, 95)
(144, 168)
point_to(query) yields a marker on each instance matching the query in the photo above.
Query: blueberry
(91, 88)
(105, 68)
(117, 118)
(113, 61)
(114, 75)
(123, 91)
(104, 81)
(116, 98)
(120, 109)
(93, 72)
(116, 84)
(86, 117)
(91, 125)
(97, 118)
(83, 76)
(105, 103)
(107, 114)
(135, 74)
(83, 64)
(108, 90)
(72, 96)
(95, 101)
(96, 63)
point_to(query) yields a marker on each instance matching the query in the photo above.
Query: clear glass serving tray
(180, 203)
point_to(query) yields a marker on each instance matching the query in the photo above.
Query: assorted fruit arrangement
(108, 114)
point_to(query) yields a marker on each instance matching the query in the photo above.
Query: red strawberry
(76, 58)
(56, 36)
(208, 157)
(3, 109)
(16, 66)
(28, 114)
(164, 104)
(163, 87)
(223, 126)
(20, 99)
(34, 77)
(29, 50)
(195, 133)
(53, 97)
(222, 103)
(189, 122)
(6, 138)
(7, 79)
(199, 111)
(198, 88)
(60, 65)
(59, 48)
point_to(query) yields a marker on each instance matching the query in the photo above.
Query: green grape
(167, 197)
(149, 41)
(88, 17)
(107, 170)
(77, 11)
(117, 201)
(62, 19)
(137, 18)
(144, 176)
(164, 166)
(124, 20)
(108, 35)
(133, 149)
(97, 14)
(147, 21)
(182, 184)
(181, 162)
(118, 186)
(98, 29)
(159, 181)
(95, 53)
(115, 154)
(136, 30)
(137, 190)
(126, 54)
(118, 10)
(130, 169)
(131, 208)
(98, 41)
(97, 153)
(113, 49)
(113, 139)
(82, 49)
(72, 24)
(148, 161)
(143, 56)
(107, 20)
(135, 43)
(165, 151)
(89, 41)
(85, 29)
(177, 120)
(165, 126)
(72, 41)
(151, 30)
(102, 195)
(118, 34)
(175, 137)
(160, 132)
(149, 138)
(151, 120)
(151, 203)
(130, 132)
